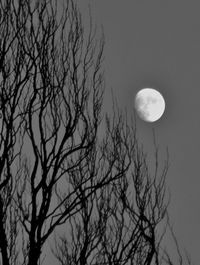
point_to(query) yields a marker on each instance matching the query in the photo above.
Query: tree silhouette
(56, 169)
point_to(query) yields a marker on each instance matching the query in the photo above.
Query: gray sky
(156, 44)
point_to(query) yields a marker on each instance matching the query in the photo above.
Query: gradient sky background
(156, 44)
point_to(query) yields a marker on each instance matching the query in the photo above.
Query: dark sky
(156, 44)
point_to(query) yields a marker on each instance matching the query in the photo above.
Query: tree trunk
(34, 253)
(3, 239)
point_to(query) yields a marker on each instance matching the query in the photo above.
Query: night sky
(156, 44)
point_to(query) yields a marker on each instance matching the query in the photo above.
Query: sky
(156, 44)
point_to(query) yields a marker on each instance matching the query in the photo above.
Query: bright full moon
(149, 104)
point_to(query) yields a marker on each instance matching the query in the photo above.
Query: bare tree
(51, 96)
(125, 221)
(118, 224)
(55, 171)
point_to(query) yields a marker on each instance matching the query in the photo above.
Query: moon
(149, 104)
